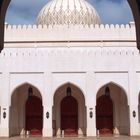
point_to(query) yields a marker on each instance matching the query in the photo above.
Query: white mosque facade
(69, 75)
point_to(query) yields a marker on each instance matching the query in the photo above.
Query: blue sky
(110, 11)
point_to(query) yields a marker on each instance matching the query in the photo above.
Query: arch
(59, 95)
(71, 84)
(19, 97)
(117, 85)
(121, 124)
(27, 84)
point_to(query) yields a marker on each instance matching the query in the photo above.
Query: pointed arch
(27, 85)
(69, 84)
(20, 116)
(59, 95)
(117, 94)
(115, 84)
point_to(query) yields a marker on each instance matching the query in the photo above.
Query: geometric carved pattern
(68, 12)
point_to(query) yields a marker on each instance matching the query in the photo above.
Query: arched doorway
(24, 100)
(69, 115)
(34, 115)
(71, 106)
(112, 110)
(104, 115)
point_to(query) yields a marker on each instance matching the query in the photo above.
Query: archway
(112, 110)
(26, 111)
(69, 115)
(69, 103)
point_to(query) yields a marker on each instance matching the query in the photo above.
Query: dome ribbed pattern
(68, 12)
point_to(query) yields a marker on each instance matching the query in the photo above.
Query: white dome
(68, 12)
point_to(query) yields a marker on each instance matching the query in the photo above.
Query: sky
(110, 11)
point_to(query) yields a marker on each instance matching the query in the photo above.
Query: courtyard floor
(75, 138)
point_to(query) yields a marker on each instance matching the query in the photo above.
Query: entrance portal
(34, 115)
(69, 116)
(104, 115)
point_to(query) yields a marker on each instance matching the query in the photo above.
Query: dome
(68, 12)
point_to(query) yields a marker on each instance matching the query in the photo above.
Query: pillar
(91, 104)
(47, 122)
(4, 121)
(47, 105)
(5, 110)
(91, 123)
(133, 105)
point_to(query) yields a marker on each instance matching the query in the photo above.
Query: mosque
(69, 75)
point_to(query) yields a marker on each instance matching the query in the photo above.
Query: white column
(47, 122)
(91, 123)
(4, 131)
(133, 105)
(47, 105)
(90, 104)
(5, 115)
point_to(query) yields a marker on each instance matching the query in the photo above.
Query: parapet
(24, 33)
(96, 26)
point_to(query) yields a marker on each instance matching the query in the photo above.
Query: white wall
(88, 58)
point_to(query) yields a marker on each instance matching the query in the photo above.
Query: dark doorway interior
(69, 116)
(104, 115)
(34, 115)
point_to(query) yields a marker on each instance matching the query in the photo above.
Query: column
(4, 121)
(47, 122)
(90, 104)
(133, 105)
(47, 105)
(5, 110)
(91, 123)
